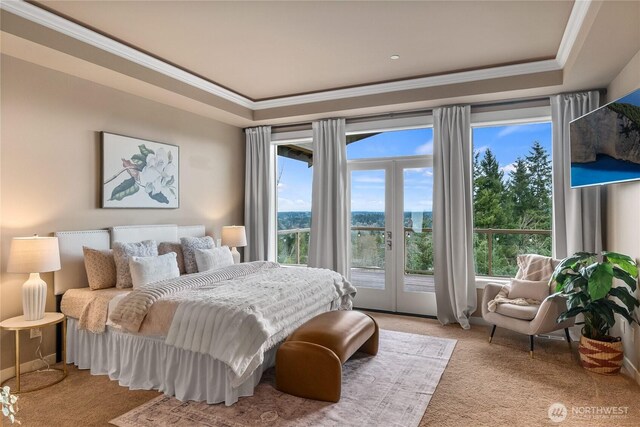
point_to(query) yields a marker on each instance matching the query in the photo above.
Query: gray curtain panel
(577, 213)
(330, 206)
(454, 273)
(259, 219)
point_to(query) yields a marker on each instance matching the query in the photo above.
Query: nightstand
(18, 324)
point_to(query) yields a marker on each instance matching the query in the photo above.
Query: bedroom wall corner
(623, 233)
(50, 176)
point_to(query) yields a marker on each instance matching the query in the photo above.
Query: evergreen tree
(489, 189)
(519, 192)
(539, 167)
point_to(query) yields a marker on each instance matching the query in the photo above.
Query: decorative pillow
(168, 247)
(536, 267)
(211, 259)
(189, 246)
(101, 268)
(529, 289)
(145, 270)
(122, 252)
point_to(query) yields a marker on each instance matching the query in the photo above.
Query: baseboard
(25, 367)
(633, 371)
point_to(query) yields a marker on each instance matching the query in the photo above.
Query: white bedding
(236, 321)
(234, 324)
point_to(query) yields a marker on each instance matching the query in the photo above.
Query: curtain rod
(536, 101)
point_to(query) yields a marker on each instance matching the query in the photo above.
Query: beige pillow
(529, 289)
(123, 251)
(101, 268)
(189, 246)
(535, 267)
(168, 247)
(145, 270)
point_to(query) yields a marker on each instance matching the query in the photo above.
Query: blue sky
(506, 142)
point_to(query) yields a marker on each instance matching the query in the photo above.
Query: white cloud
(426, 148)
(508, 130)
(509, 168)
(481, 149)
(369, 180)
(291, 205)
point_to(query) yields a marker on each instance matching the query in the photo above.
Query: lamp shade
(234, 236)
(34, 255)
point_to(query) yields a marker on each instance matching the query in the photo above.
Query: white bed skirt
(147, 363)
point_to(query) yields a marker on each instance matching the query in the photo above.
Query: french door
(391, 234)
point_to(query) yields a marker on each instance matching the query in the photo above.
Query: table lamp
(234, 236)
(34, 255)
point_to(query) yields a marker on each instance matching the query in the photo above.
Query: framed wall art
(137, 173)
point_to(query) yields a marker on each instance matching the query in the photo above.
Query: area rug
(390, 389)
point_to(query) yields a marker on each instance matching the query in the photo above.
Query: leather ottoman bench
(309, 362)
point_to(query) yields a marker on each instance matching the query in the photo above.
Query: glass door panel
(415, 292)
(418, 231)
(371, 235)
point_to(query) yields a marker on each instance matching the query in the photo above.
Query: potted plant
(587, 283)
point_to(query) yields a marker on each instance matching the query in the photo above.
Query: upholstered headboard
(72, 273)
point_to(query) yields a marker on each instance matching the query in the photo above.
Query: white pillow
(145, 270)
(530, 289)
(212, 259)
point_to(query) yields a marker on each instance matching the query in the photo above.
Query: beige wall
(50, 168)
(623, 213)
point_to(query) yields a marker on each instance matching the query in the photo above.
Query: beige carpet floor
(484, 384)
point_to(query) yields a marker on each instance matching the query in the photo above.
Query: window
(293, 180)
(399, 143)
(512, 195)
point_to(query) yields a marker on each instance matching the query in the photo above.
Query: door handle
(389, 244)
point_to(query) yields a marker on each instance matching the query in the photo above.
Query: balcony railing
(495, 250)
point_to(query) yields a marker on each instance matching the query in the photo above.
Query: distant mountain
(297, 220)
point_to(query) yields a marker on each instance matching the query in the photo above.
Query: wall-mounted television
(605, 143)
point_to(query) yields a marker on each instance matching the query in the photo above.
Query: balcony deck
(374, 279)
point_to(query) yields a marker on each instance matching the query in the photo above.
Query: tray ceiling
(265, 50)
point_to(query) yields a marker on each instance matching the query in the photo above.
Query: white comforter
(237, 320)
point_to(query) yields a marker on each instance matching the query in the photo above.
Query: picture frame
(139, 173)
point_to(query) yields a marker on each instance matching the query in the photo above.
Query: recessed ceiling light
(394, 57)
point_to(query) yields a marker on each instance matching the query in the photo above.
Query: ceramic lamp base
(236, 255)
(34, 297)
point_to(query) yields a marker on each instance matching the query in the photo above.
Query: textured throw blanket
(237, 313)
(502, 298)
(89, 307)
(530, 267)
(131, 311)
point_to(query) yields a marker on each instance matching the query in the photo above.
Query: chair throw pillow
(529, 289)
(145, 270)
(189, 246)
(168, 247)
(123, 251)
(212, 259)
(535, 267)
(101, 268)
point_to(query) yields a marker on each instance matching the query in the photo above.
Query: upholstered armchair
(531, 318)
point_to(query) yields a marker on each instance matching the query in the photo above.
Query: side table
(18, 324)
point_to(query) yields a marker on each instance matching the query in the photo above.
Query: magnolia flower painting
(138, 173)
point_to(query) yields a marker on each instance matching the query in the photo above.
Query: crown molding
(42, 17)
(576, 19)
(47, 19)
(410, 84)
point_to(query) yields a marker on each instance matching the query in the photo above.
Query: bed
(205, 336)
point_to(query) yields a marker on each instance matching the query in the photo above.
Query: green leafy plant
(588, 286)
(9, 406)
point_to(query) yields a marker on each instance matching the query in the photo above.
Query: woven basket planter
(601, 357)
